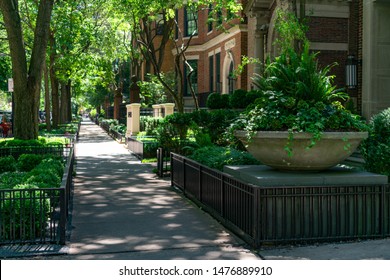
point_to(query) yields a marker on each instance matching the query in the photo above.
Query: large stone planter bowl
(269, 148)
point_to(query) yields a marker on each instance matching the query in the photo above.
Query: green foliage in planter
(41, 142)
(297, 95)
(217, 101)
(150, 125)
(214, 123)
(376, 148)
(9, 180)
(7, 164)
(24, 213)
(27, 162)
(216, 157)
(47, 174)
(237, 99)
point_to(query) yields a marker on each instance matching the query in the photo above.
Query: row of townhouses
(353, 33)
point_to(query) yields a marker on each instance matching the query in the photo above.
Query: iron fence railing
(163, 162)
(37, 215)
(285, 214)
(56, 149)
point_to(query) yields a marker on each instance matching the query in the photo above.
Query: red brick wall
(330, 30)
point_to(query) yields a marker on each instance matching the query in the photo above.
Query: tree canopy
(82, 47)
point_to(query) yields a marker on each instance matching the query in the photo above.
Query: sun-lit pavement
(121, 210)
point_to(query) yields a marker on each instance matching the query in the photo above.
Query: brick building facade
(336, 30)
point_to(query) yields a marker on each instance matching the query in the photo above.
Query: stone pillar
(376, 57)
(262, 20)
(169, 108)
(156, 110)
(133, 118)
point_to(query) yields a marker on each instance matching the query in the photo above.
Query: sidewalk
(121, 210)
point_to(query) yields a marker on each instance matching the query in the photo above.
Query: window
(210, 22)
(231, 78)
(194, 77)
(176, 27)
(211, 73)
(218, 72)
(160, 24)
(190, 22)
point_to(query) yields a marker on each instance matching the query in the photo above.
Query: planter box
(286, 214)
(269, 147)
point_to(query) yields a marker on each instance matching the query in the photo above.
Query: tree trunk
(63, 103)
(55, 98)
(47, 99)
(68, 118)
(27, 84)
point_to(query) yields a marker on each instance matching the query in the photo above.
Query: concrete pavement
(121, 210)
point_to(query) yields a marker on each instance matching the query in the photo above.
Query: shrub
(214, 123)
(27, 162)
(376, 148)
(237, 99)
(7, 164)
(48, 174)
(24, 213)
(216, 157)
(217, 101)
(149, 125)
(9, 180)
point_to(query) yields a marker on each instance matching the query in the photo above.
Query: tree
(86, 39)
(146, 17)
(26, 71)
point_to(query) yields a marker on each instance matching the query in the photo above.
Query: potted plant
(299, 123)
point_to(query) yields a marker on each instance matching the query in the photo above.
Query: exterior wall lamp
(351, 72)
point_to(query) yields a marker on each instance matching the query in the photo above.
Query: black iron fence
(37, 215)
(56, 149)
(283, 214)
(163, 162)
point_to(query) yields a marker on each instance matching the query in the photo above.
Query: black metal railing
(56, 149)
(37, 215)
(163, 162)
(285, 214)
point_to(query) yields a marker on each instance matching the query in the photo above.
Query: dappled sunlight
(122, 210)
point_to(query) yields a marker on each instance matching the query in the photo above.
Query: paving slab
(121, 210)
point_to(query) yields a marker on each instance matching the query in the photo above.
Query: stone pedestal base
(262, 175)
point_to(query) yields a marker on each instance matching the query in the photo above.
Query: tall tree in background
(27, 72)
(146, 16)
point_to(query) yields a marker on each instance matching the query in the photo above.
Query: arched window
(231, 78)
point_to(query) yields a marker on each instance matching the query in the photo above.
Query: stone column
(156, 110)
(262, 20)
(169, 108)
(376, 57)
(133, 118)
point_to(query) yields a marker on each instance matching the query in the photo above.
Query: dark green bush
(376, 148)
(216, 157)
(48, 174)
(214, 123)
(217, 101)
(28, 162)
(9, 180)
(150, 125)
(24, 213)
(237, 99)
(7, 164)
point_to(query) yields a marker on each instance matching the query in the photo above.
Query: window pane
(191, 22)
